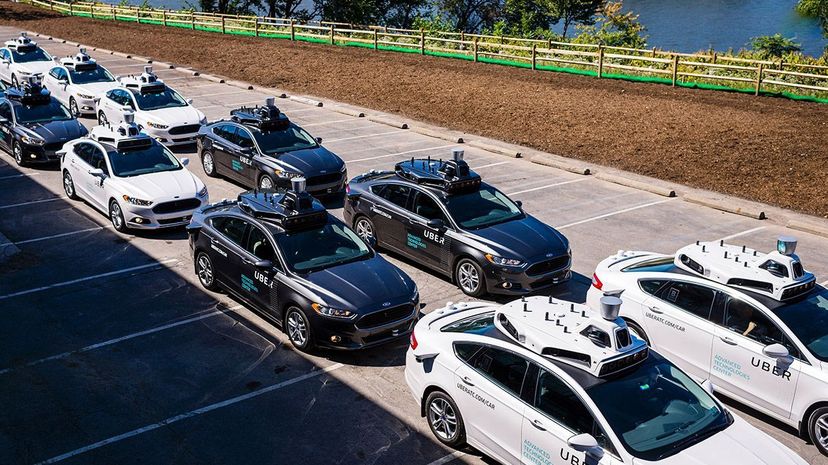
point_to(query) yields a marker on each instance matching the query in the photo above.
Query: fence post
(781, 63)
(600, 61)
(71, 13)
(759, 71)
(138, 15)
(292, 31)
(332, 34)
(715, 55)
(475, 49)
(654, 52)
(92, 10)
(422, 42)
(111, 9)
(192, 20)
(222, 24)
(256, 27)
(675, 68)
(549, 43)
(164, 16)
(376, 40)
(534, 56)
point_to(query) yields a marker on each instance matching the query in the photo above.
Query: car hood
(527, 239)
(171, 116)
(739, 444)
(35, 67)
(95, 88)
(311, 162)
(57, 131)
(162, 186)
(362, 286)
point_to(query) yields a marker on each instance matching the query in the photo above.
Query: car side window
(259, 245)
(5, 54)
(97, 159)
(559, 402)
(466, 350)
(6, 111)
(243, 138)
(651, 286)
(226, 132)
(378, 189)
(84, 152)
(426, 207)
(502, 367)
(747, 320)
(231, 228)
(54, 73)
(62, 74)
(692, 298)
(396, 194)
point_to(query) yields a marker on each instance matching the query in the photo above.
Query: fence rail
(792, 79)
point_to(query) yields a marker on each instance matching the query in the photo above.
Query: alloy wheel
(73, 107)
(265, 183)
(821, 430)
(18, 154)
(116, 216)
(68, 185)
(468, 278)
(205, 270)
(208, 164)
(364, 228)
(442, 418)
(297, 329)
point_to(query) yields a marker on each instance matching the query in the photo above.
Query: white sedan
(537, 382)
(77, 82)
(138, 182)
(754, 324)
(22, 57)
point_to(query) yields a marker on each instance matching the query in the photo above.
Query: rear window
(477, 324)
(658, 265)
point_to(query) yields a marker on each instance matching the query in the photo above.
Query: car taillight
(597, 282)
(413, 341)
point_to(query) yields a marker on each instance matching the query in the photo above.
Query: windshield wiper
(694, 438)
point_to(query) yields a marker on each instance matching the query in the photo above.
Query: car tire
(208, 163)
(116, 216)
(102, 121)
(266, 182)
(444, 419)
(205, 271)
(17, 153)
(636, 329)
(364, 227)
(73, 108)
(298, 329)
(69, 186)
(818, 429)
(468, 276)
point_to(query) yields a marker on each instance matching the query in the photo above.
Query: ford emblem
(550, 255)
(385, 304)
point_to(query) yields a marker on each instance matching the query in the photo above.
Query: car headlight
(155, 125)
(287, 174)
(32, 140)
(332, 312)
(86, 97)
(202, 192)
(139, 202)
(500, 261)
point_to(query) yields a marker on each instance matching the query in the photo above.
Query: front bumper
(85, 106)
(347, 335)
(171, 140)
(515, 281)
(40, 153)
(138, 217)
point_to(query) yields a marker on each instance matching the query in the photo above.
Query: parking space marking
(89, 278)
(562, 183)
(743, 233)
(399, 153)
(365, 136)
(236, 105)
(333, 122)
(618, 212)
(825, 284)
(31, 202)
(55, 236)
(448, 458)
(193, 413)
(122, 339)
(18, 176)
(217, 94)
(490, 165)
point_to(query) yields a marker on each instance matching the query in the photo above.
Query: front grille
(324, 179)
(383, 317)
(174, 220)
(186, 129)
(53, 147)
(548, 265)
(388, 333)
(176, 206)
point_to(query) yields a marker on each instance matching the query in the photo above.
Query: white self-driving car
(754, 324)
(159, 111)
(20, 58)
(544, 381)
(77, 81)
(138, 182)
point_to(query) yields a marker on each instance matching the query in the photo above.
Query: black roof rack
(453, 176)
(30, 92)
(265, 118)
(291, 209)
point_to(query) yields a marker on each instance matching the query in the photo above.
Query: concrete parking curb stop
(242, 85)
(347, 111)
(210, 77)
(270, 91)
(613, 178)
(444, 135)
(509, 152)
(727, 205)
(306, 101)
(812, 227)
(388, 121)
(548, 160)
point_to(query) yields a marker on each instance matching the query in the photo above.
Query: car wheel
(102, 121)
(818, 429)
(469, 276)
(445, 420)
(204, 271)
(14, 82)
(364, 228)
(298, 329)
(17, 152)
(265, 182)
(208, 163)
(69, 186)
(73, 107)
(638, 331)
(116, 216)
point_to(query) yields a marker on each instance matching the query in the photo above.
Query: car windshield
(287, 140)
(320, 248)
(663, 411)
(807, 318)
(168, 98)
(27, 56)
(136, 162)
(484, 207)
(97, 74)
(41, 113)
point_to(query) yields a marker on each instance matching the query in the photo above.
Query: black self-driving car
(34, 125)
(441, 214)
(303, 269)
(261, 148)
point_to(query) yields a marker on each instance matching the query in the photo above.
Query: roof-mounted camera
(30, 92)
(265, 118)
(80, 61)
(453, 175)
(21, 43)
(292, 209)
(146, 83)
(125, 136)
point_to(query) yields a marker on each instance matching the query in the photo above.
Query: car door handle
(468, 381)
(538, 424)
(656, 310)
(219, 146)
(728, 340)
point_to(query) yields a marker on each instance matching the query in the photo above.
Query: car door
(246, 150)
(6, 134)
(108, 103)
(97, 191)
(556, 414)
(79, 165)
(57, 81)
(435, 244)
(740, 368)
(259, 283)
(676, 320)
(390, 215)
(5, 64)
(227, 252)
(488, 395)
(225, 151)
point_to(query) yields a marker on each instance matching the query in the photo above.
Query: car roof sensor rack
(146, 83)
(80, 61)
(452, 176)
(30, 92)
(22, 42)
(266, 118)
(125, 136)
(597, 341)
(292, 209)
(778, 274)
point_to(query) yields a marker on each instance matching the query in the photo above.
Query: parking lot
(111, 353)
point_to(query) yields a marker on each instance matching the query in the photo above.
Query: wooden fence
(674, 68)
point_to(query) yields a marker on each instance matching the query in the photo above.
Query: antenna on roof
(457, 154)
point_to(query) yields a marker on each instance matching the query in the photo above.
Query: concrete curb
(270, 90)
(546, 160)
(727, 205)
(210, 77)
(346, 111)
(306, 101)
(122, 55)
(437, 134)
(509, 152)
(388, 121)
(163, 64)
(613, 178)
(809, 226)
(242, 85)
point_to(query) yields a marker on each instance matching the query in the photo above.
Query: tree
(614, 28)
(399, 13)
(774, 46)
(229, 6)
(285, 9)
(572, 11)
(815, 9)
(470, 15)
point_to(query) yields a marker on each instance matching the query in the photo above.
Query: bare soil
(766, 149)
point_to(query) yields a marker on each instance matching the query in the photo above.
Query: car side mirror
(97, 172)
(436, 224)
(3, 120)
(776, 351)
(264, 264)
(519, 203)
(247, 150)
(372, 241)
(189, 101)
(319, 140)
(586, 443)
(708, 386)
(185, 161)
(6, 62)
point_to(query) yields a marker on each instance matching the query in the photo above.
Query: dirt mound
(767, 149)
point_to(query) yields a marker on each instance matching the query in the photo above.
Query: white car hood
(95, 88)
(162, 186)
(739, 444)
(34, 67)
(172, 116)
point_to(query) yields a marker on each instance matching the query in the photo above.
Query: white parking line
(18, 176)
(55, 236)
(825, 284)
(448, 458)
(121, 339)
(235, 105)
(605, 215)
(217, 94)
(399, 153)
(332, 122)
(193, 413)
(364, 136)
(32, 202)
(743, 233)
(88, 278)
(571, 181)
(490, 165)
